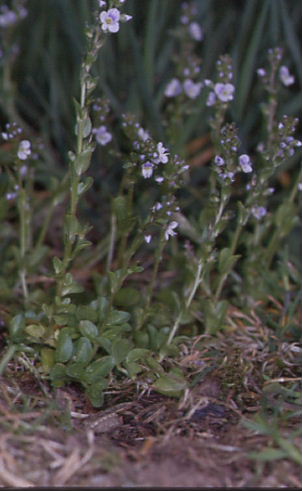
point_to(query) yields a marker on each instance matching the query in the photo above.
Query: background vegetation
(40, 72)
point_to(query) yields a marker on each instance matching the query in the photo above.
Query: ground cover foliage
(149, 241)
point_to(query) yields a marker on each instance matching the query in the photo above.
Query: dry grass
(143, 438)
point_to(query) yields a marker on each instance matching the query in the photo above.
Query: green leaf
(47, 358)
(89, 329)
(82, 161)
(86, 312)
(268, 454)
(226, 260)
(70, 285)
(104, 342)
(58, 265)
(137, 354)
(35, 330)
(64, 349)
(133, 368)
(117, 317)
(83, 351)
(85, 185)
(77, 371)
(72, 227)
(98, 369)
(170, 385)
(16, 328)
(127, 297)
(95, 393)
(120, 350)
(58, 375)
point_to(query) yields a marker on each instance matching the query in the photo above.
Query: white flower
(147, 169)
(159, 179)
(224, 92)
(24, 150)
(219, 160)
(245, 163)
(143, 134)
(110, 20)
(102, 3)
(148, 238)
(162, 154)
(285, 76)
(300, 186)
(173, 88)
(211, 99)
(259, 212)
(195, 31)
(170, 230)
(192, 89)
(102, 135)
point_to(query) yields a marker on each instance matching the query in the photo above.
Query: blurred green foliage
(135, 66)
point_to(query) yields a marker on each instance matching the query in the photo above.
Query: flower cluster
(153, 161)
(10, 17)
(229, 164)
(187, 19)
(12, 130)
(223, 90)
(175, 87)
(188, 63)
(24, 150)
(110, 19)
(101, 109)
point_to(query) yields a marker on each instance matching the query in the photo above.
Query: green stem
(7, 358)
(158, 258)
(197, 281)
(111, 242)
(232, 250)
(24, 237)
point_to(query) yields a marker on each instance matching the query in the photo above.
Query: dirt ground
(149, 440)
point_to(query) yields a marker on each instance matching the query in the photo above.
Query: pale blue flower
(173, 88)
(261, 72)
(162, 154)
(102, 135)
(170, 230)
(195, 31)
(148, 238)
(224, 92)
(143, 134)
(211, 100)
(245, 163)
(192, 89)
(147, 169)
(285, 76)
(259, 212)
(219, 160)
(110, 20)
(24, 150)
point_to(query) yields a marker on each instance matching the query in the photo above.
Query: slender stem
(197, 281)
(24, 237)
(111, 242)
(232, 250)
(158, 258)
(7, 357)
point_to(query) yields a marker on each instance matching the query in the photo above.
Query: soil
(147, 440)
